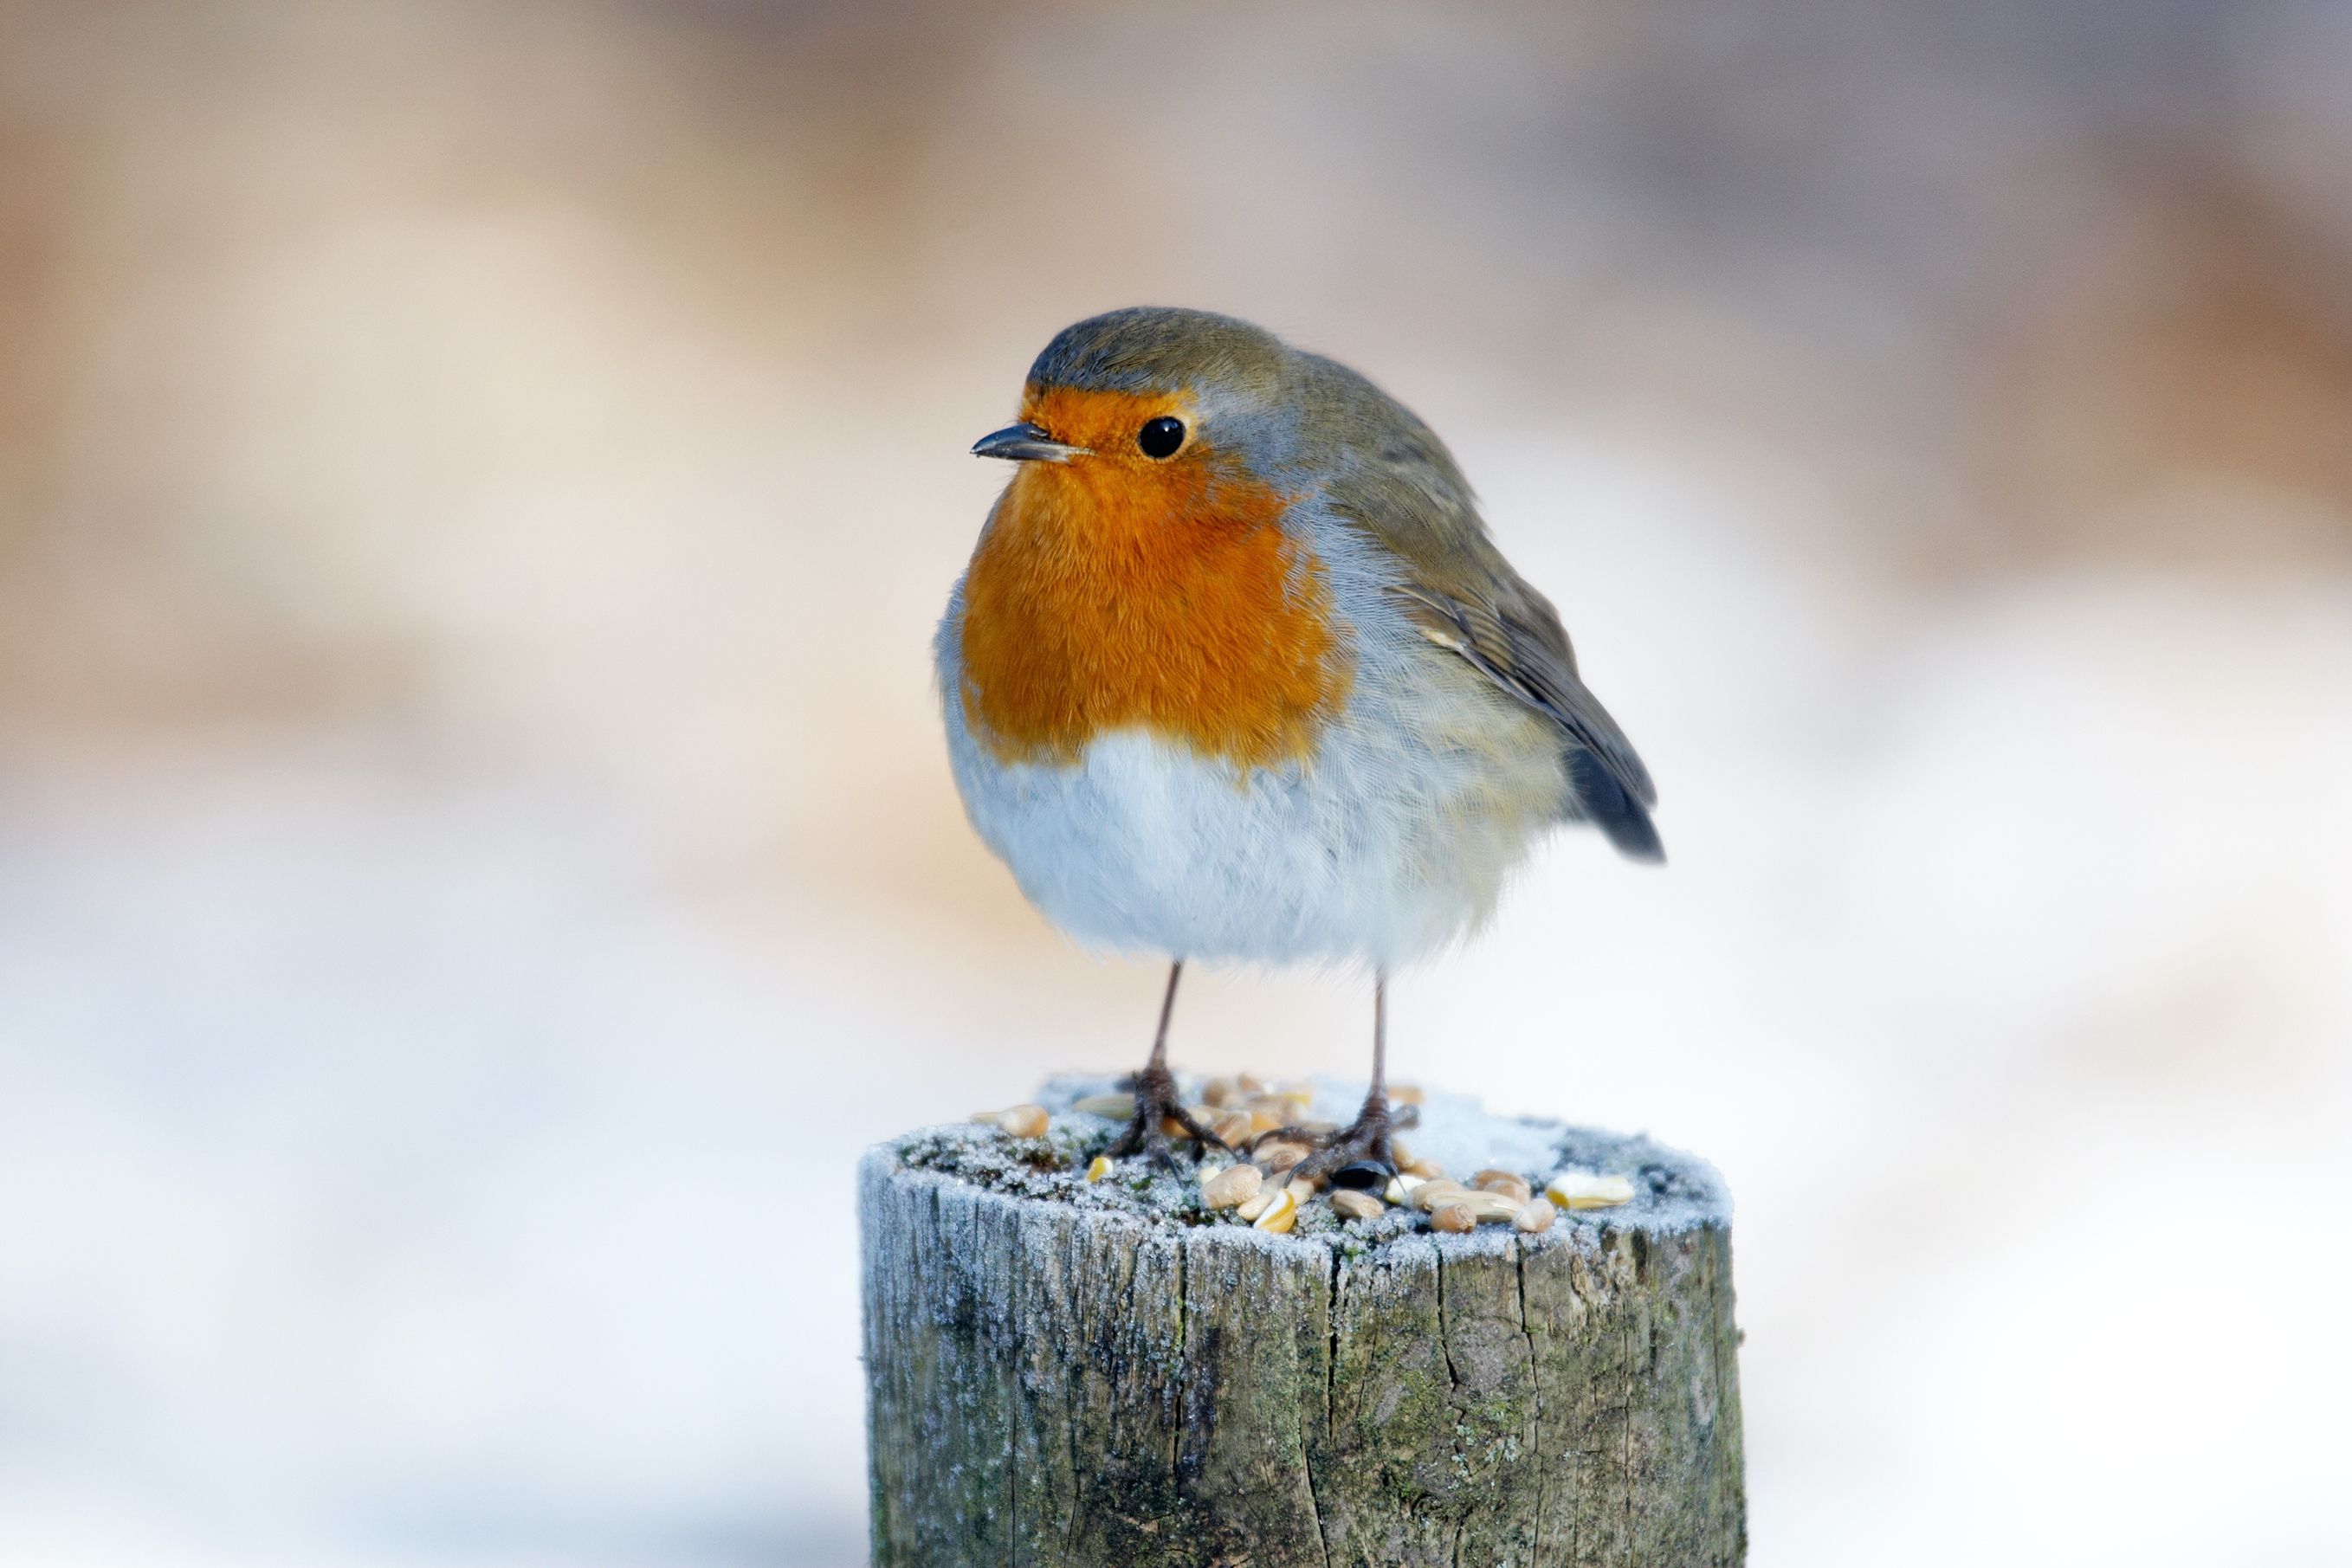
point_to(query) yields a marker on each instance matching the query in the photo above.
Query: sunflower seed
(1504, 1182)
(1430, 1194)
(1022, 1121)
(1350, 1205)
(1588, 1189)
(1232, 1186)
(1364, 1176)
(1118, 1107)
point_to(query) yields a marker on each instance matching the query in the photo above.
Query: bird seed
(1510, 1185)
(1280, 1213)
(1453, 1217)
(1588, 1189)
(1231, 1186)
(1364, 1176)
(1430, 1194)
(1019, 1121)
(1278, 1157)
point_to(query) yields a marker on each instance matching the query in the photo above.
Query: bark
(1052, 1386)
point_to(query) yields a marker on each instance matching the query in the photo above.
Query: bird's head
(1138, 417)
(1136, 570)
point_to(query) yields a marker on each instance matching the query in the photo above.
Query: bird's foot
(1155, 1105)
(1368, 1140)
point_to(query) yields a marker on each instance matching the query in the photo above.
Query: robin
(1236, 672)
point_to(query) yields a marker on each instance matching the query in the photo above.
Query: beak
(1023, 443)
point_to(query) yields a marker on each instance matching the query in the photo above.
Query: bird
(1236, 674)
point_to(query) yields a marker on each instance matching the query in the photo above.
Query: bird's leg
(1368, 1137)
(1155, 1092)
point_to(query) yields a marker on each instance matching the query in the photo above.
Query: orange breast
(1107, 593)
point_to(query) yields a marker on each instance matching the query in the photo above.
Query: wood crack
(1330, 1413)
(1454, 1395)
(1535, 1393)
(1013, 1291)
(1444, 1333)
(1073, 1270)
(1178, 1379)
(1625, 1463)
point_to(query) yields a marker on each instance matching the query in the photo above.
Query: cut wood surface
(1103, 1376)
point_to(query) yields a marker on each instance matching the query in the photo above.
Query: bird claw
(1368, 1137)
(1155, 1102)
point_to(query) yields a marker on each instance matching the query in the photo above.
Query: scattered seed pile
(1457, 1168)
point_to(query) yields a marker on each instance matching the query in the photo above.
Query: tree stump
(1106, 1375)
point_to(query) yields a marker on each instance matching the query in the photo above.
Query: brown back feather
(1396, 480)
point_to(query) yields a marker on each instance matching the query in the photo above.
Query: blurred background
(477, 861)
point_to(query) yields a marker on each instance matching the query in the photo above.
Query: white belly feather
(1391, 840)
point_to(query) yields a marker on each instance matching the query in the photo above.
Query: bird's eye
(1161, 437)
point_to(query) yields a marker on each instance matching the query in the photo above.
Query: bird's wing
(1464, 597)
(1524, 650)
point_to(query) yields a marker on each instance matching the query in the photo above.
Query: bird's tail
(1602, 801)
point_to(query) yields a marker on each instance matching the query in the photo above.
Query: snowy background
(477, 861)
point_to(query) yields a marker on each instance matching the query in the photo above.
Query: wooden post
(1056, 1380)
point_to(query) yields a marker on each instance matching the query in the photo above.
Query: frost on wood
(1081, 1375)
